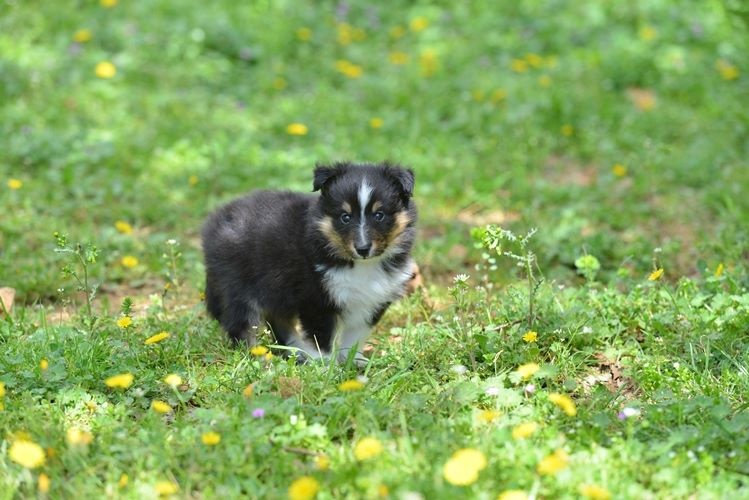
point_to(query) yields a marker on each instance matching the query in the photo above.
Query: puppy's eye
(345, 217)
(379, 216)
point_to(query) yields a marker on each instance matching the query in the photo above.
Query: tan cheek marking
(376, 206)
(346, 207)
(335, 241)
(401, 223)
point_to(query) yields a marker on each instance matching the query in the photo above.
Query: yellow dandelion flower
(594, 491)
(397, 32)
(50, 452)
(498, 95)
(719, 270)
(351, 385)
(296, 129)
(656, 275)
(383, 491)
(248, 391)
(124, 479)
(123, 227)
(619, 170)
(648, 33)
(534, 60)
(279, 83)
(165, 488)
(157, 338)
(15, 184)
(304, 34)
(259, 350)
(129, 261)
(464, 466)
(304, 488)
(2, 389)
(727, 70)
(367, 448)
(519, 65)
(160, 406)
(108, 3)
(513, 495)
(27, 453)
(428, 63)
(530, 336)
(488, 416)
(376, 123)
(344, 33)
(193, 180)
(348, 68)
(121, 381)
(43, 364)
(210, 438)
(398, 58)
(91, 406)
(78, 437)
(43, 483)
(567, 130)
(322, 462)
(544, 81)
(82, 36)
(173, 379)
(564, 402)
(125, 322)
(418, 24)
(105, 69)
(553, 463)
(527, 370)
(524, 430)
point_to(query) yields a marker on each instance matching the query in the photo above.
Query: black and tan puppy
(330, 264)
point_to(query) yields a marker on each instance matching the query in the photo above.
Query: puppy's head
(365, 208)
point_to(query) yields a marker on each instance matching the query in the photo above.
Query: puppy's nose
(364, 250)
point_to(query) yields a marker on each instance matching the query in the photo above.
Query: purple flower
(258, 413)
(627, 413)
(530, 388)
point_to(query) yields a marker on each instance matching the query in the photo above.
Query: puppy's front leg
(352, 335)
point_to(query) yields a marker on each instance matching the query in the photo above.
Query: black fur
(266, 255)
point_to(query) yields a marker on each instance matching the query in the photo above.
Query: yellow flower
(259, 350)
(648, 33)
(121, 381)
(656, 275)
(165, 488)
(124, 321)
(727, 70)
(488, 416)
(513, 495)
(524, 430)
(719, 270)
(296, 129)
(211, 438)
(15, 184)
(124, 479)
(82, 36)
(397, 32)
(43, 364)
(160, 406)
(643, 99)
(348, 68)
(367, 448)
(43, 483)
(193, 180)
(553, 463)
(567, 130)
(27, 453)
(398, 58)
(564, 402)
(619, 170)
(129, 261)
(534, 60)
(345, 33)
(376, 123)
(544, 81)
(248, 391)
(428, 63)
(383, 491)
(464, 466)
(351, 385)
(108, 3)
(123, 227)
(519, 66)
(173, 379)
(268, 356)
(498, 95)
(322, 462)
(530, 336)
(91, 406)
(304, 488)
(2, 389)
(418, 24)
(527, 370)
(105, 69)
(157, 338)
(595, 492)
(279, 83)
(78, 437)
(304, 34)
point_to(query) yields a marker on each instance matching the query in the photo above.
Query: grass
(615, 130)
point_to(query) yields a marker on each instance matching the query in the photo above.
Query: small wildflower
(397, 32)
(492, 391)
(125, 321)
(534, 60)
(459, 369)
(727, 70)
(530, 336)
(279, 83)
(383, 491)
(643, 99)
(348, 68)
(248, 391)
(656, 275)
(367, 448)
(108, 3)
(322, 462)
(648, 33)
(124, 479)
(418, 24)
(376, 123)
(488, 416)
(553, 463)
(398, 58)
(545, 81)
(628, 413)
(513, 495)
(154, 339)
(351, 385)
(594, 491)
(524, 430)
(121, 381)
(78, 437)
(619, 170)
(129, 261)
(464, 466)
(43, 483)
(296, 129)
(193, 180)
(304, 488)
(165, 488)
(345, 33)
(43, 364)
(428, 63)
(258, 413)
(719, 270)
(527, 370)
(91, 406)
(15, 184)
(519, 66)
(259, 350)
(27, 454)
(564, 402)
(304, 34)
(567, 130)
(268, 356)
(173, 379)
(105, 69)
(123, 227)
(160, 406)
(82, 36)
(210, 438)
(529, 388)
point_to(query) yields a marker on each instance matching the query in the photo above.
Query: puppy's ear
(404, 178)
(325, 174)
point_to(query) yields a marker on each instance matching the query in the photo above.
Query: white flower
(492, 391)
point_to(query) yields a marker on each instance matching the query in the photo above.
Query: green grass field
(605, 356)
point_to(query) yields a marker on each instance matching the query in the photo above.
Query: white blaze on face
(365, 193)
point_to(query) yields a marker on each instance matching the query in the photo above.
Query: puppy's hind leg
(241, 321)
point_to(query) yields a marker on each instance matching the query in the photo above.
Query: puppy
(329, 264)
